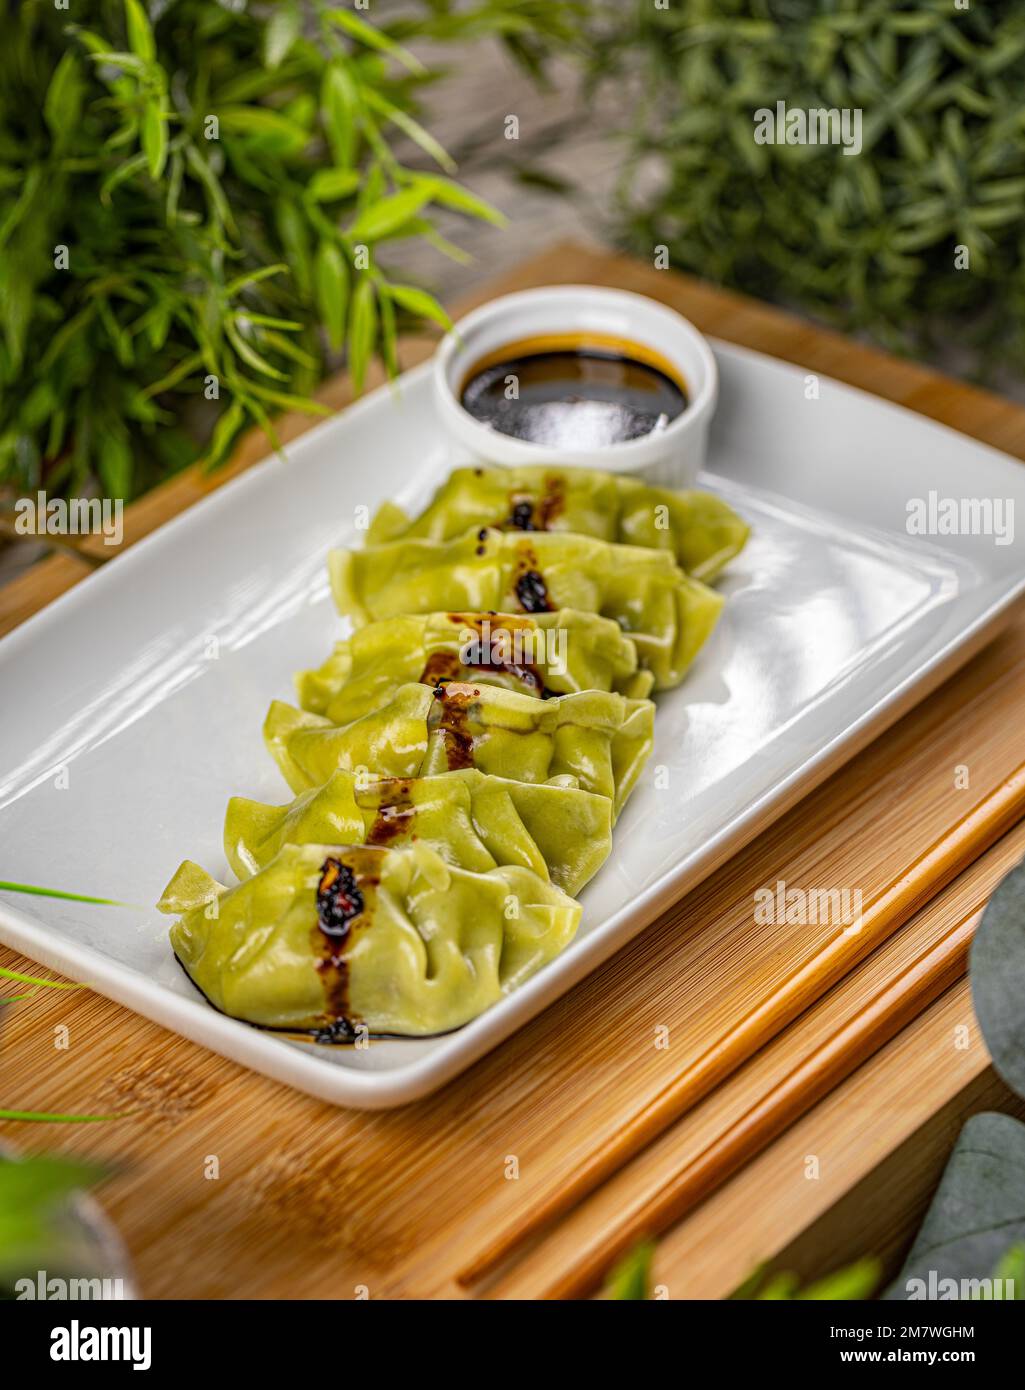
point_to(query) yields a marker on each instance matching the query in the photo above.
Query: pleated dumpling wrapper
(666, 613)
(600, 739)
(699, 529)
(538, 654)
(395, 941)
(472, 820)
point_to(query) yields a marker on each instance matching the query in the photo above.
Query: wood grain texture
(312, 1201)
(808, 979)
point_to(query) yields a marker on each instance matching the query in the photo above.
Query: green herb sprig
(916, 241)
(196, 201)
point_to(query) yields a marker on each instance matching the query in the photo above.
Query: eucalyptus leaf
(977, 1214)
(997, 972)
(32, 1193)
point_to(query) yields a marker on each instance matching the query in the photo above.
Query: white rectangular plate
(133, 705)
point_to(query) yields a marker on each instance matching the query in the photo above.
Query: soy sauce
(574, 393)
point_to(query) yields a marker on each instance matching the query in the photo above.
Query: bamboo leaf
(454, 195)
(339, 104)
(280, 33)
(374, 38)
(410, 127)
(419, 303)
(383, 218)
(331, 185)
(154, 138)
(362, 331)
(63, 103)
(331, 278)
(140, 35)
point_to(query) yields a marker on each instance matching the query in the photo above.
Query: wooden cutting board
(312, 1201)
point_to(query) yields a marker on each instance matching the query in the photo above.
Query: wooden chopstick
(948, 856)
(879, 1020)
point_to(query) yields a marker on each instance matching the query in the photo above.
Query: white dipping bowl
(671, 455)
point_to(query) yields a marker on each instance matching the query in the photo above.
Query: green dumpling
(599, 738)
(537, 654)
(701, 530)
(472, 820)
(666, 613)
(335, 938)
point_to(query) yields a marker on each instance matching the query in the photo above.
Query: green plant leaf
(39, 1180)
(331, 277)
(631, 1279)
(154, 138)
(977, 1213)
(374, 38)
(331, 185)
(852, 1283)
(454, 195)
(339, 102)
(225, 432)
(280, 33)
(1010, 1268)
(116, 465)
(63, 104)
(235, 330)
(34, 890)
(419, 303)
(263, 128)
(362, 331)
(56, 1118)
(37, 980)
(410, 127)
(140, 35)
(32, 1192)
(387, 216)
(107, 144)
(997, 972)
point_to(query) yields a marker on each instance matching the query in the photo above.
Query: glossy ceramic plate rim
(197, 1020)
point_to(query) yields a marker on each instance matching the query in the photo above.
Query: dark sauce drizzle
(452, 718)
(532, 592)
(339, 902)
(339, 899)
(445, 666)
(537, 513)
(395, 818)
